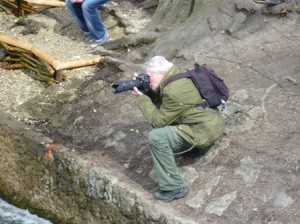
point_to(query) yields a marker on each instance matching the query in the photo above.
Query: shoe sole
(89, 39)
(178, 196)
(98, 44)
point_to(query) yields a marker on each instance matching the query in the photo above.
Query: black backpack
(212, 89)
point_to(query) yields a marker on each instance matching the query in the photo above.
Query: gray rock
(240, 95)
(255, 113)
(189, 173)
(218, 206)
(249, 171)
(283, 200)
(214, 151)
(238, 123)
(198, 200)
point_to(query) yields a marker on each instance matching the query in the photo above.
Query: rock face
(60, 187)
(77, 153)
(53, 181)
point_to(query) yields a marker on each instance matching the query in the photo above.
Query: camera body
(142, 82)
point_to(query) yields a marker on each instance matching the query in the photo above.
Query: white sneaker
(104, 39)
(89, 39)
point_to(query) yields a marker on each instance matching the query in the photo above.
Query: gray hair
(159, 64)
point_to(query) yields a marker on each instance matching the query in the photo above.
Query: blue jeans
(87, 16)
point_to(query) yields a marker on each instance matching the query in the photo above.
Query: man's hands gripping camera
(135, 90)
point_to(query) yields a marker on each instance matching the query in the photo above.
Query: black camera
(142, 82)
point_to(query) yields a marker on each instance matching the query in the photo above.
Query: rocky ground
(250, 176)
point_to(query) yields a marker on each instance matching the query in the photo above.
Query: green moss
(7, 194)
(56, 190)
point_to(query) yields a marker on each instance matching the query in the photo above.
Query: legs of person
(77, 14)
(93, 19)
(162, 143)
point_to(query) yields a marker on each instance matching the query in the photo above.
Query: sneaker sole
(178, 196)
(97, 44)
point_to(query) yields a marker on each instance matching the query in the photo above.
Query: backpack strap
(188, 74)
(178, 76)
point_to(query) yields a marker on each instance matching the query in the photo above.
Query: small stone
(190, 174)
(255, 113)
(249, 171)
(220, 205)
(283, 200)
(240, 95)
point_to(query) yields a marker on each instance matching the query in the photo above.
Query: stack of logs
(36, 62)
(19, 58)
(22, 7)
(17, 54)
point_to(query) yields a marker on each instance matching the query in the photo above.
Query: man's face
(154, 78)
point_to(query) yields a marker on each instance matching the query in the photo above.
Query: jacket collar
(172, 71)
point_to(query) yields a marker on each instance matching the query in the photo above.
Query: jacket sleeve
(169, 112)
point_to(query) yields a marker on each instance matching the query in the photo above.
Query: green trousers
(162, 143)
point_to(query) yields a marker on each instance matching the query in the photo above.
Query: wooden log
(38, 7)
(27, 46)
(79, 63)
(59, 75)
(13, 66)
(57, 65)
(53, 3)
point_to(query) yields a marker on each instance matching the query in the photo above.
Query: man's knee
(158, 136)
(87, 6)
(153, 136)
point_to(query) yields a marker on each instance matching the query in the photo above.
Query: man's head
(156, 68)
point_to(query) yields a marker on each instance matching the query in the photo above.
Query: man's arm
(169, 112)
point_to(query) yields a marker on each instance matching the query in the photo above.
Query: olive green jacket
(179, 100)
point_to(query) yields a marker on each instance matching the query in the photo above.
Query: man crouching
(179, 124)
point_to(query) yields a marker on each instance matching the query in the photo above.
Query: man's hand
(135, 90)
(77, 1)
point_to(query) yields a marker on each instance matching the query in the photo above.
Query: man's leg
(93, 19)
(162, 143)
(76, 13)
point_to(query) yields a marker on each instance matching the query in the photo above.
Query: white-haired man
(179, 123)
